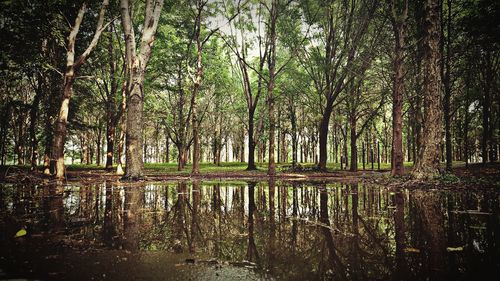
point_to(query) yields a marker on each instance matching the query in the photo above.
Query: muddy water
(247, 231)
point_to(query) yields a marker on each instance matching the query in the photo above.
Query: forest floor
(474, 175)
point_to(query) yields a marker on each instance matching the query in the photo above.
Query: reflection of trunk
(429, 207)
(334, 259)
(194, 216)
(109, 230)
(252, 254)
(216, 207)
(355, 250)
(295, 205)
(179, 221)
(399, 229)
(131, 218)
(272, 224)
(54, 206)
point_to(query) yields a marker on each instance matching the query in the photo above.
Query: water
(248, 231)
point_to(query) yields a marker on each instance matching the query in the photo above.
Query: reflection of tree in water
(333, 259)
(297, 232)
(53, 207)
(179, 227)
(131, 215)
(399, 235)
(195, 228)
(433, 243)
(252, 254)
(109, 225)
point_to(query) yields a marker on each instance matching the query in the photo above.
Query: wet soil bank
(474, 175)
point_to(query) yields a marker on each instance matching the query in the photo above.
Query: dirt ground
(474, 175)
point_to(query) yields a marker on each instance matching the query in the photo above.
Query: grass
(207, 167)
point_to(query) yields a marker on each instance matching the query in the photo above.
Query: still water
(248, 231)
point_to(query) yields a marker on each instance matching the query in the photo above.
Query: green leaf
(21, 232)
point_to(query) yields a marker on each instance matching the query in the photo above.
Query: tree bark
(354, 146)
(447, 92)
(72, 67)
(136, 63)
(111, 115)
(196, 88)
(428, 164)
(399, 28)
(33, 121)
(271, 62)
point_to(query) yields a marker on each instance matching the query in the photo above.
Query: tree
(428, 154)
(72, 67)
(137, 61)
(252, 97)
(399, 15)
(343, 26)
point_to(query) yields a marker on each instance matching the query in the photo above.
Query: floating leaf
(455, 249)
(20, 233)
(411, 250)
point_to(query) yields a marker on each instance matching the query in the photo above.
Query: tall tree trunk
(69, 78)
(428, 164)
(399, 29)
(111, 118)
(167, 149)
(33, 121)
(488, 77)
(196, 88)
(136, 63)
(98, 145)
(354, 146)
(251, 141)
(271, 170)
(323, 137)
(293, 121)
(123, 126)
(446, 40)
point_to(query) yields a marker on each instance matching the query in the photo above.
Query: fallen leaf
(20, 233)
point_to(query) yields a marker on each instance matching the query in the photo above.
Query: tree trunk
(134, 141)
(251, 141)
(60, 127)
(399, 29)
(69, 78)
(111, 118)
(271, 171)
(33, 121)
(354, 146)
(98, 145)
(323, 138)
(167, 149)
(428, 154)
(447, 93)
(196, 88)
(123, 127)
(136, 63)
